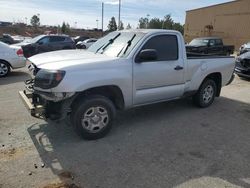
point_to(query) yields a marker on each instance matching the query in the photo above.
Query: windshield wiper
(103, 47)
(127, 46)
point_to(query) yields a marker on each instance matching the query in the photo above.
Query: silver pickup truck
(122, 70)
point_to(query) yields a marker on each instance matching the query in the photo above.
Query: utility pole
(102, 16)
(119, 18)
(97, 24)
(148, 15)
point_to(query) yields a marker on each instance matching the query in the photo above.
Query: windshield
(116, 44)
(199, 42)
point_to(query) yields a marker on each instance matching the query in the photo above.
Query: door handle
(178, 68)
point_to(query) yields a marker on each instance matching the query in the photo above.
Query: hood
(65, 59)
(245, 55)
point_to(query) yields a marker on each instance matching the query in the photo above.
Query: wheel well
(6, 62)
(112, 92)
(218, 80)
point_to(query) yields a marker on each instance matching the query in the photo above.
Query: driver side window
(166, 47)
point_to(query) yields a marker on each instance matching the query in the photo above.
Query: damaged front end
(46, 104)
(242, 68)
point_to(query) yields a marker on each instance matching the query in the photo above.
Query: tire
(83, 47)
(92, 118)
(4, 69)
(206, 94)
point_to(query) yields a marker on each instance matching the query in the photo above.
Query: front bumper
(242, 72)
(37, 111)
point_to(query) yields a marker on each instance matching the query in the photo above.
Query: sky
(85, 13)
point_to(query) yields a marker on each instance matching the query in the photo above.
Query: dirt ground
(171, 144)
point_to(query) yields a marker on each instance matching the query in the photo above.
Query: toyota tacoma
(122, 70)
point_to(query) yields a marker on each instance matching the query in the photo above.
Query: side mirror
(147, 55)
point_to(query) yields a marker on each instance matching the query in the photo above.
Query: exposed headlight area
(47, 79)
(238, 59)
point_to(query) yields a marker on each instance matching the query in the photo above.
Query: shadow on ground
(14, 76)
(162, 145)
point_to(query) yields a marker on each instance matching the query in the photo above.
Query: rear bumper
(19, 62)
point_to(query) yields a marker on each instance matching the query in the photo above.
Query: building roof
(232, 1)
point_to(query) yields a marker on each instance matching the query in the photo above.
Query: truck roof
(147, 31)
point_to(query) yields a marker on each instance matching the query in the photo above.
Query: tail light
(19, 52)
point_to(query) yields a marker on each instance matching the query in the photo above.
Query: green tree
(128, 26)
(35, 21)
(155, 23)
(121, 27)
(143, 23)
(65, 28)
(178, 27)
(167, 22)
(112, 26)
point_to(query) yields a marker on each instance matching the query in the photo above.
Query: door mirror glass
(148, 55)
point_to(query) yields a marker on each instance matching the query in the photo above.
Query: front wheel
(92, 118)
(206, 94)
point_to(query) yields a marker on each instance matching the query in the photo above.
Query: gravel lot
(171, 144)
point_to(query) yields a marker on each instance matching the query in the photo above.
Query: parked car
(242, 68)
(125, 69)
(80, 38)
(245, 48)
(46, 43)
(10, 58)
(210, 46)
(86, 43)
(6, 38)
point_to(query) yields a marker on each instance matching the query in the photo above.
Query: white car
(86, 43)
(11, 57)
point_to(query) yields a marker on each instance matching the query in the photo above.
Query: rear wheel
(92, 118)
(83, 47)
(4, 69)
(206, 94)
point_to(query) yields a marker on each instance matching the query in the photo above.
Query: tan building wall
(231, 21)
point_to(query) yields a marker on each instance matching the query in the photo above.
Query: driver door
(160, 79)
